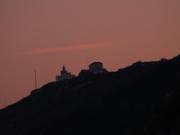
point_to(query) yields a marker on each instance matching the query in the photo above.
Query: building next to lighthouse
(97, 68)
(94, 69)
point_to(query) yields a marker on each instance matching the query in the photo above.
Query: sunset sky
(46, 34)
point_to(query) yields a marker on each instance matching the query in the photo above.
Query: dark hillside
(142, 99)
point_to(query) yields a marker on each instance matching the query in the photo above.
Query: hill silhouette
(142, 99)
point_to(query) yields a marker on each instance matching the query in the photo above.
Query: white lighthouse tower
(64, 75)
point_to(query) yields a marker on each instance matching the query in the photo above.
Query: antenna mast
(35, 79)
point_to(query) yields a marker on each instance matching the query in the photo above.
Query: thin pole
(35, 79)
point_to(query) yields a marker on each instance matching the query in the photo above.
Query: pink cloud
(80, 47)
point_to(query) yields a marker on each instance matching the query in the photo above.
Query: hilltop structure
(94, 68)
(97, 68)
(64, 75)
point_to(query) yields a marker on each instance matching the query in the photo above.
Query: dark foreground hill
(142, 99)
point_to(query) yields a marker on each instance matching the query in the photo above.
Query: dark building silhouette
(94, 68)
(97, 68)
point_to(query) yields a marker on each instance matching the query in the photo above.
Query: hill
(141, 99)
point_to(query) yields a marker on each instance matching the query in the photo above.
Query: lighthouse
(64, 75)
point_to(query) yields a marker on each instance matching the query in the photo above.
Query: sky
(43, 35)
